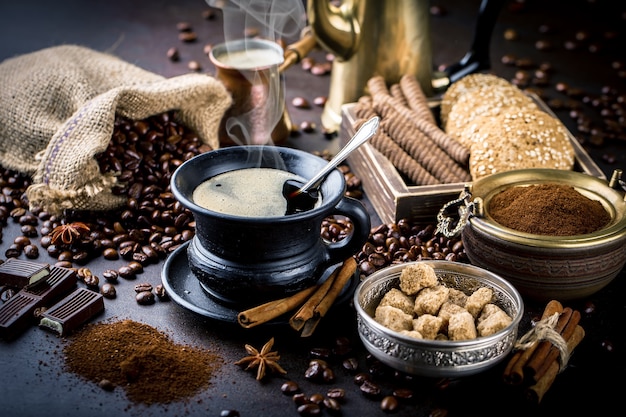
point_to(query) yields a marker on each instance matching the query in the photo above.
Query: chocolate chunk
(57, 284)
(21, 273)
(16, 314)
(73, 311)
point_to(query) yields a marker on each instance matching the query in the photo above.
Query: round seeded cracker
(460, 87)
(518, 140)
(481, 102)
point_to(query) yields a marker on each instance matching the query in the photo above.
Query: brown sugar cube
(428, 325)
(487, 311)
(429, 300)
(415, 277)
(412, 333)
(461, 326)
(393, 318)
(446, 311)
(479, 298)
(398, 299)
(493, 323)
(457, 297)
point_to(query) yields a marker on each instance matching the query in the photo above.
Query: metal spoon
(302, 197)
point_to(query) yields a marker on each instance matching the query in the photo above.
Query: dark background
(32, 379)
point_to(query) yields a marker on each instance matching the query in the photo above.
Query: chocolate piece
(21, 273)
(16, 314)
(73, 311)
(57, 284)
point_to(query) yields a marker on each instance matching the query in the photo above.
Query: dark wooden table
(32, 378)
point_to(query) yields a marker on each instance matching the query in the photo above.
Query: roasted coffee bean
(403, 393)
(229, 413)
(108, 290)
(92, 281)
(332, 406)
(188, 37)
(110, 275)
(144, 286)
(338, 394)
(438, 412)
(350, 364)
(126, 272)
(31, 251)
(309, 409)
(173, 55)
(300, 398)
(389, 404)
(290, 388)
(145, 297)
(361, 377)
(300, 103)
(320, 101)
(13, 251)
(316, 398)
(160, 292)
(370, 389)
(106, 385)
(63, 264)
(110, 254)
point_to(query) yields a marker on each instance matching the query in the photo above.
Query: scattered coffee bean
(300, 103)
(370, 389)
(309, 409)
(389, 404)
(160, 292)
(144, 286)
(173, 55)
(290, 388)
(188, 37)
(108, 290)
(338, 394)
(106, 385)
(332, 406)
(229, 413)
(145, 297)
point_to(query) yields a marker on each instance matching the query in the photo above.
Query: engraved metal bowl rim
(391, 273)
(613, 201)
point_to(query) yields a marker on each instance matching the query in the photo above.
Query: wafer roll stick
(384, 102)
(426, 152)
(384, 144)
(415, 98)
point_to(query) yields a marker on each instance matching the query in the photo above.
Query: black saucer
(185, 289)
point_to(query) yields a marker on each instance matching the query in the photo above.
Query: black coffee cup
(248, 260)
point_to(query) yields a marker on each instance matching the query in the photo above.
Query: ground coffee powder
(145, 362)
(548, 209)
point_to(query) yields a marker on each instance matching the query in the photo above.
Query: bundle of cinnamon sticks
(536, 365)
(313, 303)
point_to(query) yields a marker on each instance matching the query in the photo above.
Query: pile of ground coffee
(548, 209)
(145, 362)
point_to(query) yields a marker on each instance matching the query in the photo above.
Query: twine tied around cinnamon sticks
(545, 330)
(542, 353)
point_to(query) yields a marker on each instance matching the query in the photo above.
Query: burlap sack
(57, 112)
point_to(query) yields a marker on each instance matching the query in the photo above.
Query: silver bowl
(437, 358)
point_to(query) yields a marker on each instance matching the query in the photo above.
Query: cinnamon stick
(554, 352)
(514, 371)
(543, 348)
(272, 309)
(306, 311)
(536, 392)
(346, 272)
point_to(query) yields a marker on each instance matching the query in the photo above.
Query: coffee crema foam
(250, 58)
(249, 192)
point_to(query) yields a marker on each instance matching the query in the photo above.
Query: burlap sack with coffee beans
(57, 112)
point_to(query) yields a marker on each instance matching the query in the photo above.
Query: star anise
(264, 360)
(68, 233)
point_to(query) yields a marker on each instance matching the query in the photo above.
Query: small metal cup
(249, 69)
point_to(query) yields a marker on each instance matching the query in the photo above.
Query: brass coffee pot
(390, 39)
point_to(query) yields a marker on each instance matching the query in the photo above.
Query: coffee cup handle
(351, 244)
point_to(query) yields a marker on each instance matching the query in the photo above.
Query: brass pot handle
(450, 226)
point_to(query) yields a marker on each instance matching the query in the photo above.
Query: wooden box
(394, 199)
